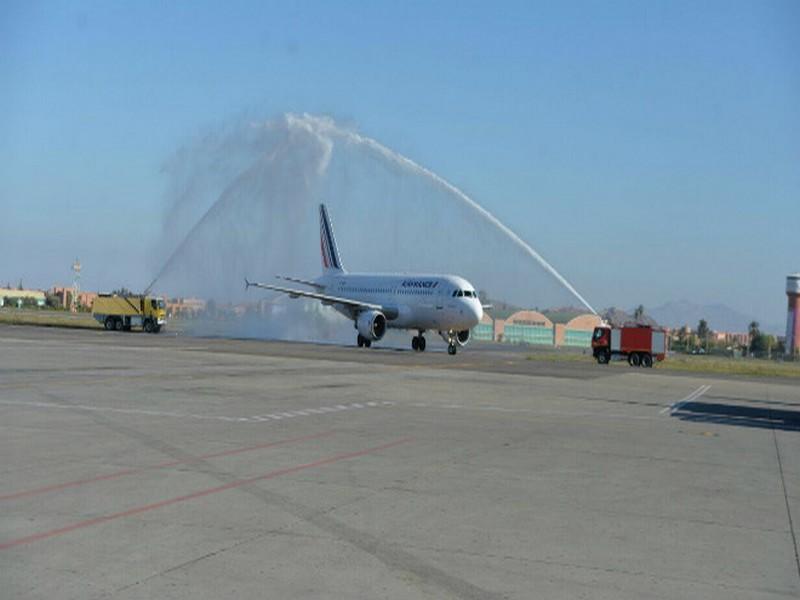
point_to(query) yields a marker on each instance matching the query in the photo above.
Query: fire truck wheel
(148, 326)
(634, 360)
(602, 357)
(109, 323)
(647, 361)
(118, 325)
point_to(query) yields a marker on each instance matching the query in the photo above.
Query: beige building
(64, 294)
(533, 327)
(185, 307)
(16, 297)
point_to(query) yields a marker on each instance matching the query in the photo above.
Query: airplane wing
(313, 284)
(324, 298)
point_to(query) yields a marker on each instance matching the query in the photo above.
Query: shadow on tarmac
(742, 416)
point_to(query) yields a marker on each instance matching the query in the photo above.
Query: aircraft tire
(421, 344)
(360, 341)
(367, 343)
(415, 343)
(451, 349)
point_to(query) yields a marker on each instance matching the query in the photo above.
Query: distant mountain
(719, 317)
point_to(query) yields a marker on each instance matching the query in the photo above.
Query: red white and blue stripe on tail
(330, 253)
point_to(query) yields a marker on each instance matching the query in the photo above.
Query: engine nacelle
(371, 324)
(459, 337)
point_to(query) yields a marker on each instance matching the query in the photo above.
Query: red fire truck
(640, 344)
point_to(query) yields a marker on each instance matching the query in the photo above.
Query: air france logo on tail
(330, 253)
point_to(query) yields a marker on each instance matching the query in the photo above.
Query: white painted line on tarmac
(274, 416)
(690, 398)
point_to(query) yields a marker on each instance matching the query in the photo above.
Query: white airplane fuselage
(410, 301)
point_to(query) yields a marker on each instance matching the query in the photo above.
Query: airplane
(376, 302)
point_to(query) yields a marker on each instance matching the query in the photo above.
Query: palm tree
(702, 332)
(754, 332)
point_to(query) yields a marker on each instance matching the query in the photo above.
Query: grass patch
(48, 318)
(731, 366)
(751, 367)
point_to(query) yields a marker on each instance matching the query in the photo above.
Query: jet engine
(459, 337)
(371, 324)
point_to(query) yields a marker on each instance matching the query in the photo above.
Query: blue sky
(650, 150)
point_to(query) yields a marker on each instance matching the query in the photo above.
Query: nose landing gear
(418, 343)
(363, 342)
(451, 337)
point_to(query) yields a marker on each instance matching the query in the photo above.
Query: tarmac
(156, 466)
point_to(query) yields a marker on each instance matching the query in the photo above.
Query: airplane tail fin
(330, 253)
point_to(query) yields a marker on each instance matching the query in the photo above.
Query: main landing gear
(363, 342)
(418, 343)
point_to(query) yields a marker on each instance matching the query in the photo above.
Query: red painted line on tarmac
(116, 474)
(199, 494)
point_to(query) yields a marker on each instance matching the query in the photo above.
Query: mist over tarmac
(242, 202)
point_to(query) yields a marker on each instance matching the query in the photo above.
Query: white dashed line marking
(690, 398)
(274, 416)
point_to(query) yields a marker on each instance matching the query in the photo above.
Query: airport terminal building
(533, 327)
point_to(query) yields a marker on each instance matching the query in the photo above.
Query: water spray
(403, 161)
(323, 131)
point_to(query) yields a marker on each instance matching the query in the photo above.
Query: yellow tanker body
(121, 313)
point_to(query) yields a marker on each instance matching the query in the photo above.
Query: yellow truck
(121, 313)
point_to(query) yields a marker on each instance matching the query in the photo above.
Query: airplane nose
(476, 312)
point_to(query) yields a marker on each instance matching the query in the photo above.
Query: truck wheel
(634, 359)
(647, 361)
(148, 326)
(118, 325)
(109, 323)
(602, 357)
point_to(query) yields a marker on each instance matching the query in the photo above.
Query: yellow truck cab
(121, 313)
